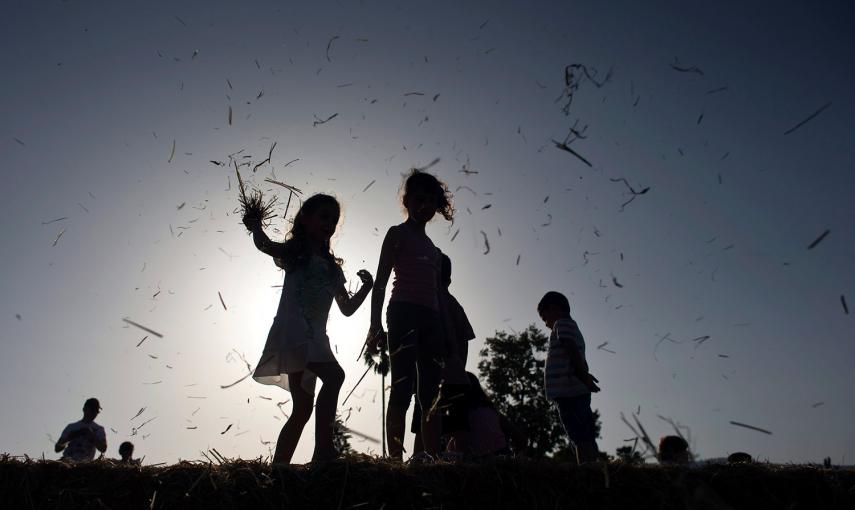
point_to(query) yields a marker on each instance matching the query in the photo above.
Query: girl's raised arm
(264, 244)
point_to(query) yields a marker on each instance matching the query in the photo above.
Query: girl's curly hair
(423, 181)
(297, 240)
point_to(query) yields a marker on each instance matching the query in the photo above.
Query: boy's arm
(580, 367)
(349, 304)
(62, 442)
(101, 440)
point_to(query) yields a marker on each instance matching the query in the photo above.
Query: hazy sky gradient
(717, 247)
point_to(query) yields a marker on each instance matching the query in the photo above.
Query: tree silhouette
(511, 371)
(629, 455)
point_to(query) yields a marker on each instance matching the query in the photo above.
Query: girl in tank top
(415, 333)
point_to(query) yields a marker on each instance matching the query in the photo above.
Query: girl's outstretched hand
(365, 276)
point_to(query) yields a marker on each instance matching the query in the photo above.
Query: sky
(700, 301)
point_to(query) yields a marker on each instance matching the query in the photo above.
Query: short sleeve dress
(298, 335)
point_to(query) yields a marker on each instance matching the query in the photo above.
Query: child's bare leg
(332, 378)
(289, 436)
(431, 421)
(418, 444)
(396, 421)
(431, 432)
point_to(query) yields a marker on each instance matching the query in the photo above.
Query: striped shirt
(558, 377)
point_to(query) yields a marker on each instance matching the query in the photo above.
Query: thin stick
(563, 146)
(752, 427)
(227, 386)
(355, 385)
(810, 117)
(57, 237)
(818, 239)
(147, 330)
(286, 186)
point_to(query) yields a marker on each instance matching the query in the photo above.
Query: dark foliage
(629, 455)
(511, 372)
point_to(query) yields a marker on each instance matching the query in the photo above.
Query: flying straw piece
(269, 156)
(486, 243)
(230, 115)
(845, 306)
(818, 239)
(318, 121)
(368, 186)
(58, 236)
(752, 427)
(172, 152)
(563, 146)
(147, 330)
(286, 186)
(683, 69)
(329, 46)
(141, 341)
(808, 119)
(227, 386)
(54, 221)
(221, 301)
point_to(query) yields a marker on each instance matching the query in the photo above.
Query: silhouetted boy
(566, 378)
(79, 440)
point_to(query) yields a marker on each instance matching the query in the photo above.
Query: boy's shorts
(577, 418)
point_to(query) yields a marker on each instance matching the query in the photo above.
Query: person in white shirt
(80, 439)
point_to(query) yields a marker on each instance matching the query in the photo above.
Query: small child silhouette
(673, 450)
(126, 451)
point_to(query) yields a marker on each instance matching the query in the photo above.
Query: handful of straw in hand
(253, 205)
